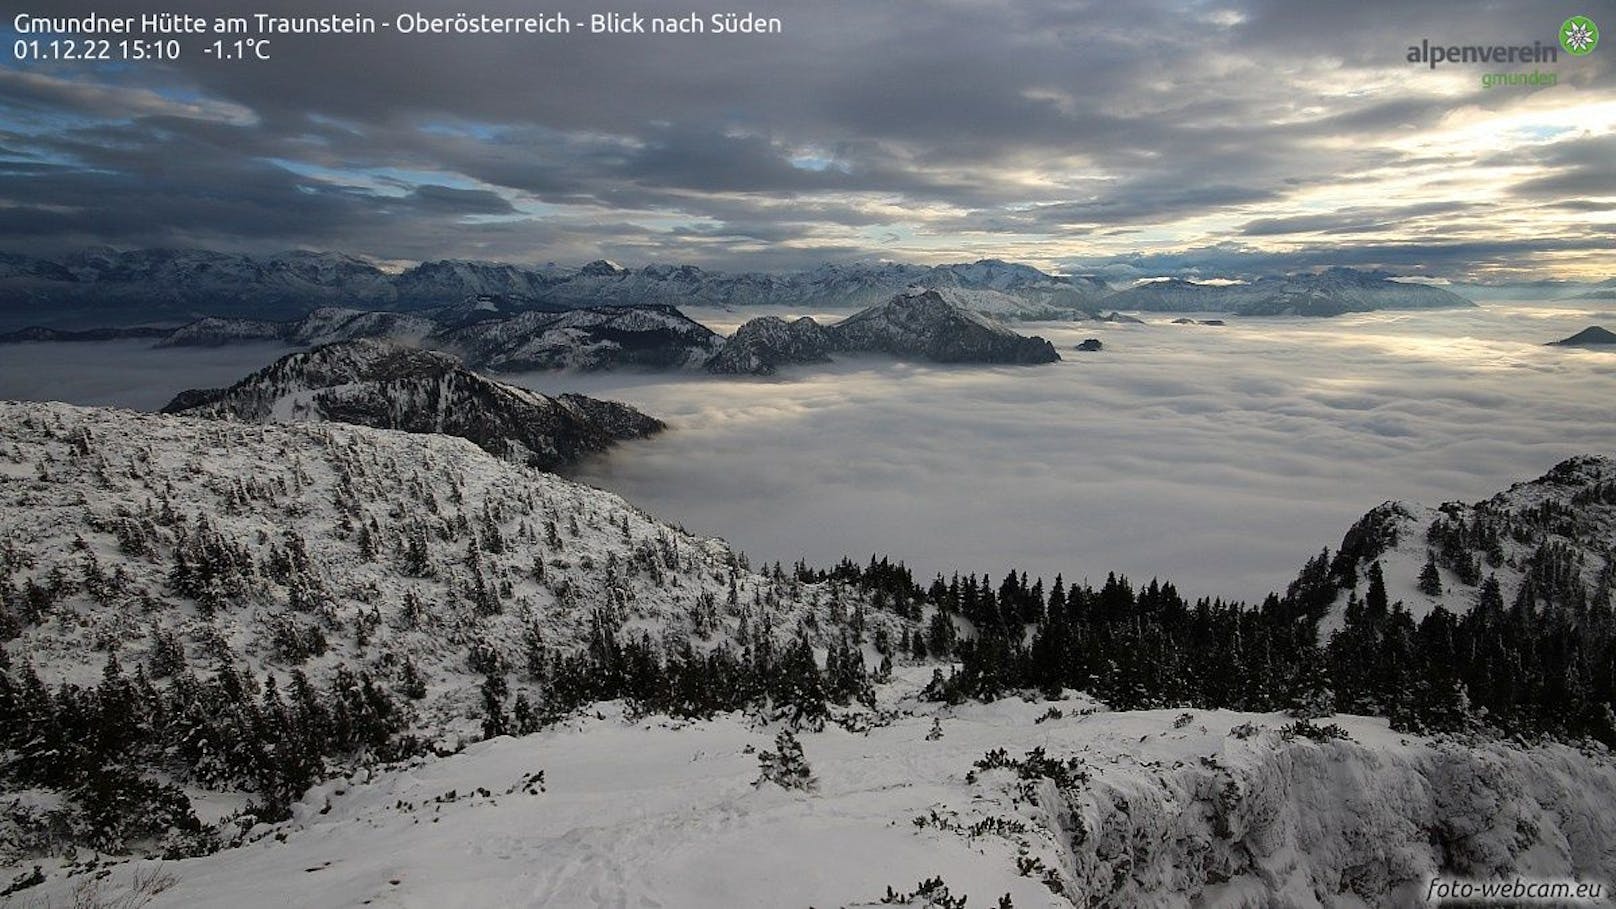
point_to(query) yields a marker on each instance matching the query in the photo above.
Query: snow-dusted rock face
(762, 346)
(1329, 293)
(1548, 540)
(1216, 819)
(658, 337)
(390, 386)
(926, 326)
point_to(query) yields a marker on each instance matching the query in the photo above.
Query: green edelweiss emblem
(1579, 35)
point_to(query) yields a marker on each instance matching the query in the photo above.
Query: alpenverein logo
(1579, 35)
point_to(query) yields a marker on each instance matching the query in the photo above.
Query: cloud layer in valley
(1218, 456)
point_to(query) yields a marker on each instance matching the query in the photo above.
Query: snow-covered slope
(1550, 540)
(385, 519)
(1328, 293)
(1053, 804)
(391, 386)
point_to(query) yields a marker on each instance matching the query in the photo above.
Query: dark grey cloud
(1070, 122)
(446, 199)
(1351, 220)
(1579, 168)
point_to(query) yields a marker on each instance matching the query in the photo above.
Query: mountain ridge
(388, 385)
(1335, 291)
(921, 325)
(181, 285)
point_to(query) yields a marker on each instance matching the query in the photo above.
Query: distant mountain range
(919, 325)
(390, 386)
(100, 287)
(1329, 293)
(1541, 290)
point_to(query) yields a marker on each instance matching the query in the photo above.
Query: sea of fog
(1218, 457)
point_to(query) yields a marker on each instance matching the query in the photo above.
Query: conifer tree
(1430, 577)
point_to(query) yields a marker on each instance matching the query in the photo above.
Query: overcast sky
(1224, 137)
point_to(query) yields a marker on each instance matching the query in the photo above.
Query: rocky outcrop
(923, 325)
(762, 346)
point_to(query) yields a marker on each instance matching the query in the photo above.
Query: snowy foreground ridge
(399, 555)
(1177, 809)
